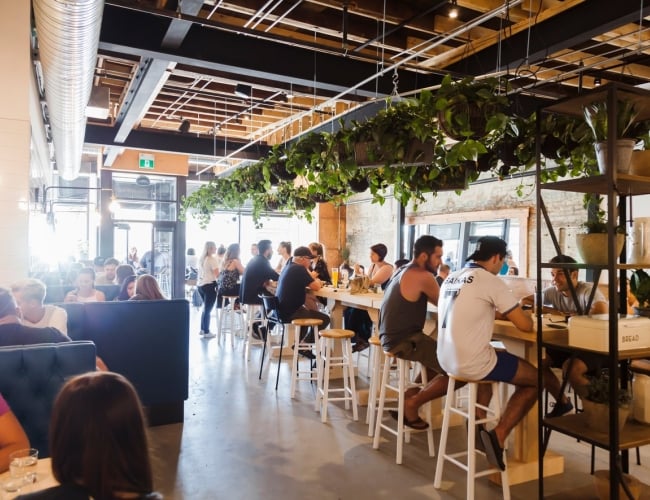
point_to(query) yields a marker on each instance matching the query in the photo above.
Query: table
(45, 479)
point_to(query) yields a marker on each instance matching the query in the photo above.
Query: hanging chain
(395, 92)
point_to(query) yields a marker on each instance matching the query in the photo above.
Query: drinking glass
(335, 277)
(344, 277)
(22, 464)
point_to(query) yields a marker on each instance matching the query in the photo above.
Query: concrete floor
(241, 439)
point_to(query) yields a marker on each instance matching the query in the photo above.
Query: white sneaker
(209, 335)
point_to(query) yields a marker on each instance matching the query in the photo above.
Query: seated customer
(12, 435)
(128, 288)
(29, 295)
(13, 332)
(147, 288)
(98, 442)
(108, 276)
(85, 291)
(292, 285)
(122, 272)
(556, 299)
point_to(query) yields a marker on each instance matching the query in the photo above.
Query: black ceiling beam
(565, 30)
(175, 142)
(140, 33)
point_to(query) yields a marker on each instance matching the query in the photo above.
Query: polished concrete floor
(242, 439)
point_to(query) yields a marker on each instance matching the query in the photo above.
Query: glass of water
(22, 465)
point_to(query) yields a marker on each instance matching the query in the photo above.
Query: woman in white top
(29, 295)
(85, 291)
(207, 285)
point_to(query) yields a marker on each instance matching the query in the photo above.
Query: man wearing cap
(470, 299)
(401, 322)
(292, 285)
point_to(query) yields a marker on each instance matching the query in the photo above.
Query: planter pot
(359, 184)
(593, 247)
(624, 148)
(601, 484)
(597, 416)
(641, 311)
(419, 152)
(367, 154)
(640, 163)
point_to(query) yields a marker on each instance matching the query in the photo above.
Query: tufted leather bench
(31, 377)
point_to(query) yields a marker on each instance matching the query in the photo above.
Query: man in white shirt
(29, 295)
(469, 301)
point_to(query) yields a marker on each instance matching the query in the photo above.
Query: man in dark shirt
(13, 332)
(257, 273)
(292, 288)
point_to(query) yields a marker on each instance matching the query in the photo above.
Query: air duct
(68, 35)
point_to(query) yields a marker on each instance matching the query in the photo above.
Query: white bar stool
(231, 317)
(326, 361)
(253, 315)
(300, 345)
(469, 464)
(401, 431)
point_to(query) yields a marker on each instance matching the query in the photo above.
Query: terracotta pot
(601, 484)
(622, 157)
(597, 416)
(592, 247)
(640, 163)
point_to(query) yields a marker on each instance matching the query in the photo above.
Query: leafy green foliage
(598, 391)
(640, 287)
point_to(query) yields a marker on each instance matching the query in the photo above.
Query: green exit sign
(146, 161)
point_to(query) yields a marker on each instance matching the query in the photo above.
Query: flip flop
(493, 451)
(418, 424)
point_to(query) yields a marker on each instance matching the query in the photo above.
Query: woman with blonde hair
(147, 288)
(98, 442)
(207, 285)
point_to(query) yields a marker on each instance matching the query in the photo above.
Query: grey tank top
(398, 317)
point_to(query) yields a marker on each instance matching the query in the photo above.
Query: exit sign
(146, 161)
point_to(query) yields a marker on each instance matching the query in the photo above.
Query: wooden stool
(253, 315)
(401, 431)
(228, 311)
(325, 361)
(377, 360)
(299, 345)
(469, 465)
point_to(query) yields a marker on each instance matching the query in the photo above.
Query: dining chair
(271, 312)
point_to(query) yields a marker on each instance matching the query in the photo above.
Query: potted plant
(592, 243)
(596, 404)
(640, 288)
(596, 116)
(640, 162)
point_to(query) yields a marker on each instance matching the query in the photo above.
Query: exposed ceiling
(173, 67)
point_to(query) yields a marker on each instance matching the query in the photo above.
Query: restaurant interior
(119, 118)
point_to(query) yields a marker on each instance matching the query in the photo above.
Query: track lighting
(453, 10)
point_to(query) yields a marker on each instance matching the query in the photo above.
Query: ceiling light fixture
(597, 81)
(453, 10)
(184, 127)
(243, 91)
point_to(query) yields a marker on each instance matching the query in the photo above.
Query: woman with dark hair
(98, 442)
(147, 288)
(231, 270)
(318, 263)
(85, 291)
(128, 288)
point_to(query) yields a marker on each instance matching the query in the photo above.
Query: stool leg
(442, 449)
(372, 393)
(402, 367)
(320, 341)
(425, 380)
(349, 367)
(328, 348)
(505, 483)
(294, 363)
(382, 400)
(471, 439)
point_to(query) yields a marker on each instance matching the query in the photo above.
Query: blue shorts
(505, 369)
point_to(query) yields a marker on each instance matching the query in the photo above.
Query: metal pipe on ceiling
(68, 35)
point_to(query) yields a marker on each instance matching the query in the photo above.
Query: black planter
(506, 152)
(485, 162)
(359, 184)
(550, 146)
(279, 170)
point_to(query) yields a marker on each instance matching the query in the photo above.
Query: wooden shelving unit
(616, 187)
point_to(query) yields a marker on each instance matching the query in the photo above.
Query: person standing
(257, 274)
(401, 323)
(207, 285)
(470, 299)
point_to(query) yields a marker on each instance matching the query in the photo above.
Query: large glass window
(144, 197)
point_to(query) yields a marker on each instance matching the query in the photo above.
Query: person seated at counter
(470, 299)
(127, 290)
(291, 292)
(379, 273)
(557, 299)
(98, 411)
(401, 324)
(12, 435)
(29, 295)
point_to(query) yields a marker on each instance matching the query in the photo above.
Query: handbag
(359, 284)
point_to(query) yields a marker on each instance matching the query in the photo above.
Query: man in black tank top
(401, 322)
